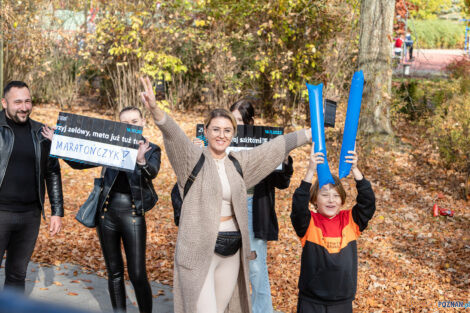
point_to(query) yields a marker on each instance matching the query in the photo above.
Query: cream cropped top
(227, 208)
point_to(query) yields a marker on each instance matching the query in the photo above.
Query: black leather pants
(119, 221)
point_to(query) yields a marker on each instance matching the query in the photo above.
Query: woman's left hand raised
(144, 147)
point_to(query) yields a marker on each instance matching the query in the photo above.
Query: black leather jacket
(47, 168)
(140, 180)
(265, 225)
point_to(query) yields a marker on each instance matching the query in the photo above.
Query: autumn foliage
(208, 52)
(212, 52)
(402, 9)
(408, 260)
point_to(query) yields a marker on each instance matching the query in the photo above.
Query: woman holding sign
(262, 219)
(125, 198)
(209, 275)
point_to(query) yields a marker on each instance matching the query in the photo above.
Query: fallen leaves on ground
(408, 260)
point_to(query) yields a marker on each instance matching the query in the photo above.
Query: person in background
(398, 46)
(409, 46)
(262, 219)
(124, 199)
(26, 170)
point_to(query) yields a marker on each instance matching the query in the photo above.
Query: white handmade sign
(96, 141)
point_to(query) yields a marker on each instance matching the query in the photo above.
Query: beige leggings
(221, 279)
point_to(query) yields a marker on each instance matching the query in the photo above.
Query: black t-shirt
(121, 184)
(19, 191)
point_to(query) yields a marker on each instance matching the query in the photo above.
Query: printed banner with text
(96, 141)
(248, 136)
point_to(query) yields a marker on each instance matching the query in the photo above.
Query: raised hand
(149, 101)
(314, 160)
(144, 147)
(352, 158)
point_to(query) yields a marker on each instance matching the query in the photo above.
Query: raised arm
(182, 153)
(300, 215)
(364, 208)
(149, 100)
(259, 162)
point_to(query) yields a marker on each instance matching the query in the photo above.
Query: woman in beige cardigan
(205, 282)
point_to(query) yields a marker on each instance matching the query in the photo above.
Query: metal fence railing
(467, 36)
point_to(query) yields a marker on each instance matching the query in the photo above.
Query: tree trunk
(375, 51)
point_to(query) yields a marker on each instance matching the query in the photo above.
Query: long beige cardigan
(200, 214)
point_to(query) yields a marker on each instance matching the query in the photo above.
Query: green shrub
(411, 99)
(438, 34)
(430, 8)
(460, 69)
(417, 98)
(214, 52)
(450, 128)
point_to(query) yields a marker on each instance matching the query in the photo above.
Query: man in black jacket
(25, 171)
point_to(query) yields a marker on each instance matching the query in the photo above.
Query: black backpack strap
(193, 175)
(236, 164)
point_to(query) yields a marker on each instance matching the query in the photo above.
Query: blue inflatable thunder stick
(318, 132)
(352, 120)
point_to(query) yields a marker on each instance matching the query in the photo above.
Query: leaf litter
(408, 260)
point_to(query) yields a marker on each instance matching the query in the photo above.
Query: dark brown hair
(315, 189)
(14, 84)
(221, 113)
(131, 108)
(246, 109)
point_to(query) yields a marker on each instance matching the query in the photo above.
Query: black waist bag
(228, 242)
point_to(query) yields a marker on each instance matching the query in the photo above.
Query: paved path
(430, 62)
(72, 286)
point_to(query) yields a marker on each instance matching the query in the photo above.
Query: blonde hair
(221, 113)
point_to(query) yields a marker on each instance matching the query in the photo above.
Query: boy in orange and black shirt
(328, 274)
